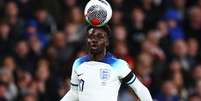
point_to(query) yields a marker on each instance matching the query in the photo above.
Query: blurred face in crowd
(178, 80)
(4, 30)
(120, 33)
(194, 98)
(197, 72)
(77, 15)
(5, 76)
(195, 17)
(70, 3)
(180, 48)
(162, 27)
(22, 48)
(193, 47)
(154, 37)
(32, 88)
(179, 3)
(116, 17)
(31, 30)
(70, 32)
(121, 48)
(97, 40)
(137, 15)
(29, 98)
(35, 44)
(24, 78)
(169, 88)
(175, 66)
(199, 3)
(198, 87)
(147, 4)
(171, 23)
(117, 2)
(42, 72)
(41, 15)
(145, 64)
(3, 90)
(12, 9)
(59, 39)
(9, 63)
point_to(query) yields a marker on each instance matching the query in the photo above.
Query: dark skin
(97, 42)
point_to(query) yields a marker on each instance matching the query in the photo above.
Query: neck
(98, 56)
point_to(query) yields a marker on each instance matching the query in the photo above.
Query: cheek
(102, 43)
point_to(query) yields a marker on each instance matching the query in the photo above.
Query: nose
(94, 41)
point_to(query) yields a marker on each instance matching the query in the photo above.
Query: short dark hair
(106, 28)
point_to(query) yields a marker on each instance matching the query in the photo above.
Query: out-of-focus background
(40, 39)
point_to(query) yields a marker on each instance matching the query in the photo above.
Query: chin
(95, 51)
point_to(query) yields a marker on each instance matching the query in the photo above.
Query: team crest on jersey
(104, 74)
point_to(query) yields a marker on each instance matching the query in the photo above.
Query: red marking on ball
(95, 21)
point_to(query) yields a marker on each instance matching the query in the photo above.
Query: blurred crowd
(40, 39)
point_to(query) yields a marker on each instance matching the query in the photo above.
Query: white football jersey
(99, 80)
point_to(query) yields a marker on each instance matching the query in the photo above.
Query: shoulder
(115, 62)
(80, 60)
(120, 63)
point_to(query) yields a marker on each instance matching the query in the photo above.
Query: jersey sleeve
(74, 77)
(122, 68)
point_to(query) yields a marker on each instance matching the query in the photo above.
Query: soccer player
(98, 75)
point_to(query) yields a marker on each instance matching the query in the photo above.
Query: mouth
(94, 46)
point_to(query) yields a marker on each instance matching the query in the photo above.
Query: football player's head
(97, 39)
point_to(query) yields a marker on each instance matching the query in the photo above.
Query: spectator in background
(194, 97)
(73, 33)
(11, 89)
(31, 29)
(60, 54)
(180, 7)
(42, 74)
(23, 57)
(193, 49)
(175, 71)
(175, 30)
(152, 11)
(117, 17)
(28, 97)
(10, 65)
(35, 46)
(193, 26)
(198, 88)
(138, 25)
(179, 50)
(26, 8)
(137, 30)
(3, 91)
(45, 21)
(151, 45)
(168, 92)
(11, 14)
(144, 68)
(63, 86)
(117, 4)
(70, 3)
(196, 74)
(24, 78)
(73, 25)
(120, 45)
(5, 43)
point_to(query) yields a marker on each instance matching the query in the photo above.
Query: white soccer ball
(98, 12)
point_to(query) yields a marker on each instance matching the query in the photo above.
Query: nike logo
(79, 74)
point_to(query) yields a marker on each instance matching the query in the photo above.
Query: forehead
(96, 31)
